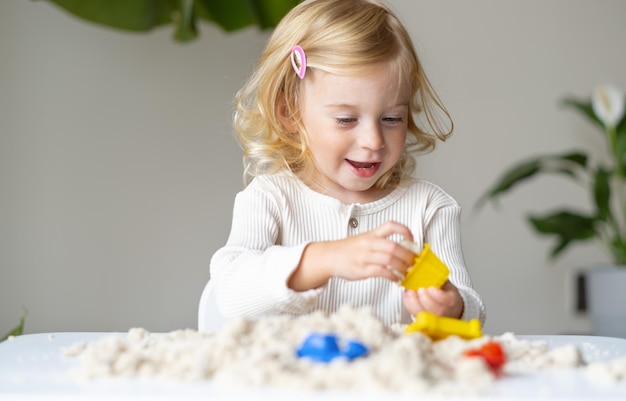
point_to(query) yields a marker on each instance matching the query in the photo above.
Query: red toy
(492, 353)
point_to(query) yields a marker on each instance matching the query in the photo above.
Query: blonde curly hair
(343, 37)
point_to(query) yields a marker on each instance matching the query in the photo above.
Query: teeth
(363, 165)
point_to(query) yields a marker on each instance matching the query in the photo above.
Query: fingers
(374, 254)
(398, 275)
(424, 299)
(384, 271)
(412, 302)
(432, 299)
(391, 227)
(443, 302)
(401, 257)
(394, 254)
(387, 254)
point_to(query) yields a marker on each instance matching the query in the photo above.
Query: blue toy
(326, 347)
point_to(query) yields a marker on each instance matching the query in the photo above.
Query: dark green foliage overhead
(144, 15)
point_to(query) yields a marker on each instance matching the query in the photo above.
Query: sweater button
(354, 223)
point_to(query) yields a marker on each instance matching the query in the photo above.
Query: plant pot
(606, 288)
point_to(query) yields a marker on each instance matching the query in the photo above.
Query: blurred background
(118, 169)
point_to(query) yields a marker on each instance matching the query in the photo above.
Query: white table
(33, 367)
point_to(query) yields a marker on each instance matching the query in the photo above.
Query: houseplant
(605, 224)
(144, 15)
(16, 331)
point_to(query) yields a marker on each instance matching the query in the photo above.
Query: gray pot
(607, 300)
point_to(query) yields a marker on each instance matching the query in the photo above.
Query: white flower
(608, 105)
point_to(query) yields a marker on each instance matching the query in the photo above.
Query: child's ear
(286, 118)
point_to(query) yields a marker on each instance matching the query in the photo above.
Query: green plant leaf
(17, 330)
(565, 223)
(578, 158)
(618, 251)
(585, 109)
(269, 12)
(621, 141)
(185, 22)
(602, 193)
(144, 15)
(565, 164)
(236, 14)
(566, 226)
(511, 177)
(559, 248)
(230, 15)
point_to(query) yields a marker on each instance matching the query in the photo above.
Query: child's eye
(392, 120)
(345, 120)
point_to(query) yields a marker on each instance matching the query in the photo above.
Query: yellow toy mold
(427, 271)
(439, 327)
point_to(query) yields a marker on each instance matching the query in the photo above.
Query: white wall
(118, 171)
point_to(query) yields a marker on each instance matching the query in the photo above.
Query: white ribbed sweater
(276, 216)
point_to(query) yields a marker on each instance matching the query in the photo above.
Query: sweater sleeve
(251, 271)
(443, 232)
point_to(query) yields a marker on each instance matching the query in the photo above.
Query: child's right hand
(371, 254)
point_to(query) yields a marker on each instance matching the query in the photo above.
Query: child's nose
(372, 137)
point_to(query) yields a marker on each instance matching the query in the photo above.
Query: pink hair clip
(298, 61)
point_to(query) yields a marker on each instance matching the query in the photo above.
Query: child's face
(357, 127)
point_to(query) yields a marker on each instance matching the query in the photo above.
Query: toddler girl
(329, 123)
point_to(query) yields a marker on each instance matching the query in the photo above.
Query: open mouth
(363, 165)
(364, 169)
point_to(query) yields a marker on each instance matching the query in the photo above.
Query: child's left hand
(442, 302)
